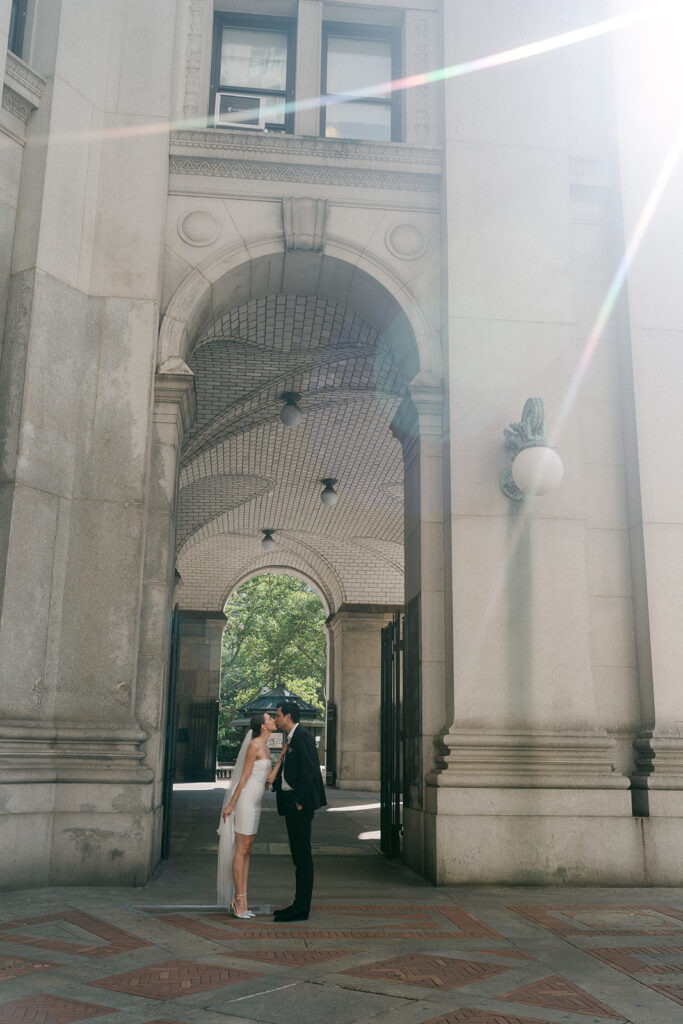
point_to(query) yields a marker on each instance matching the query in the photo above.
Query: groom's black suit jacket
(303, 774)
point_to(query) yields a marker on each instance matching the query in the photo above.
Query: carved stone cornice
(30, 752)
(22, 88)
(527, 761)
(23, 79)
(306, 160)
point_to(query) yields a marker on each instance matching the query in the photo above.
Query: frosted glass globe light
(268, 544)
(329, 496)
(291, 415)
(538, 470)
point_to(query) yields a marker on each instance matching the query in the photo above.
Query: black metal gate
(331, 745)
(171, 737)
(203, 740)
(391, 759)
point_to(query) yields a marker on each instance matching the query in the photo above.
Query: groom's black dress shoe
(290, 914)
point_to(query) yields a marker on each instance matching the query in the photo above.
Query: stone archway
(237, 334)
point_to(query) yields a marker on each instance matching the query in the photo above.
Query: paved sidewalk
(381, 944)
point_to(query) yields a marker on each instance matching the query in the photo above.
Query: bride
(240, 816)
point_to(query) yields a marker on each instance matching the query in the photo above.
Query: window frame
(224, 19)
(17, 27)
(353, 30)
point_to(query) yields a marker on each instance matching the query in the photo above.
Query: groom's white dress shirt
(285, 784)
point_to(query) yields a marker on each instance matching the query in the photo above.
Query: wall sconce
(291, 415)
(329, 496)
(268, 544)
(536, 467)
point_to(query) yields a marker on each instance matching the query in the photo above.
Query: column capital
(174, 386)
(421, 411)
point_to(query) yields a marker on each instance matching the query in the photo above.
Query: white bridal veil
(226, 831)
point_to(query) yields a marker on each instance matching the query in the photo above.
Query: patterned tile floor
(380, 945)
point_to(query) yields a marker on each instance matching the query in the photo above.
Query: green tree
(274, 635)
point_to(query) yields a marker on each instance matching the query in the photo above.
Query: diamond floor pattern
(173, 978)
(428, 971)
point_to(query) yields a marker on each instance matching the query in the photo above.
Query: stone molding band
(528, 761)
(311, 174)
(54, 753)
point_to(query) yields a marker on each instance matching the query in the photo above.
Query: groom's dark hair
(289, 707)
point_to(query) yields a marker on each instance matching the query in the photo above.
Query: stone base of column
(77, 834)
(77, 806)
(658, 779)
(526, 809)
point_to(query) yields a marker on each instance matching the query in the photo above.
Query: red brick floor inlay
(468, 1016)
(294, 957)
(115, 939)
(470, 927)
(46, 1009)
(580, 921)
(173, 978)
(629, 959)
(439, 972)
(674, 992)
(16, 967)
(557, 993)
(232, 929)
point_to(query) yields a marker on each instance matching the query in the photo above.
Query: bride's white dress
(244, 819)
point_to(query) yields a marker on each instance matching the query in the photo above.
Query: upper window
(360, 57)
(17, 27)
(252, 76)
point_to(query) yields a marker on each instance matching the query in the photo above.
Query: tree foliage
(274, 635)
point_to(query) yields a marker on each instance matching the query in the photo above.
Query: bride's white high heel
(245, 915)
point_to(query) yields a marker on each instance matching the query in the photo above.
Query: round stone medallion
(405, 241)
(198, 227)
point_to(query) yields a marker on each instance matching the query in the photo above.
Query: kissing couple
(298, 785)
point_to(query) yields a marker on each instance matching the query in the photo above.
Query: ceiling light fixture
(268, 544)
(329, 496)
(291, 415)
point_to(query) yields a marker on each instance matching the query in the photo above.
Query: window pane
(359, 121)
(252, 59)
(357, 63)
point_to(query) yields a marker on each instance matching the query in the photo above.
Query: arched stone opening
(236, 336)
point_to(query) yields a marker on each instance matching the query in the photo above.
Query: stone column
(419, 427)
(75, 424)
(309, 35)
(174, 411)
(199, 672)
(357, 654)
(651, 342)
(528, 789)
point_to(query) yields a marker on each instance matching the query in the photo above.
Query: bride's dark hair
(256, 724)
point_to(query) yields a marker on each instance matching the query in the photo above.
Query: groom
(299, 792)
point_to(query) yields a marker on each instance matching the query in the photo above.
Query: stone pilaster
(174, 411)
(650, 340)
(357, 655)
(419, 427)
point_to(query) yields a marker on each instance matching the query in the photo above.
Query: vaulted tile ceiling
(243, 471)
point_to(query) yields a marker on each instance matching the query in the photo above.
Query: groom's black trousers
(299, 833)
